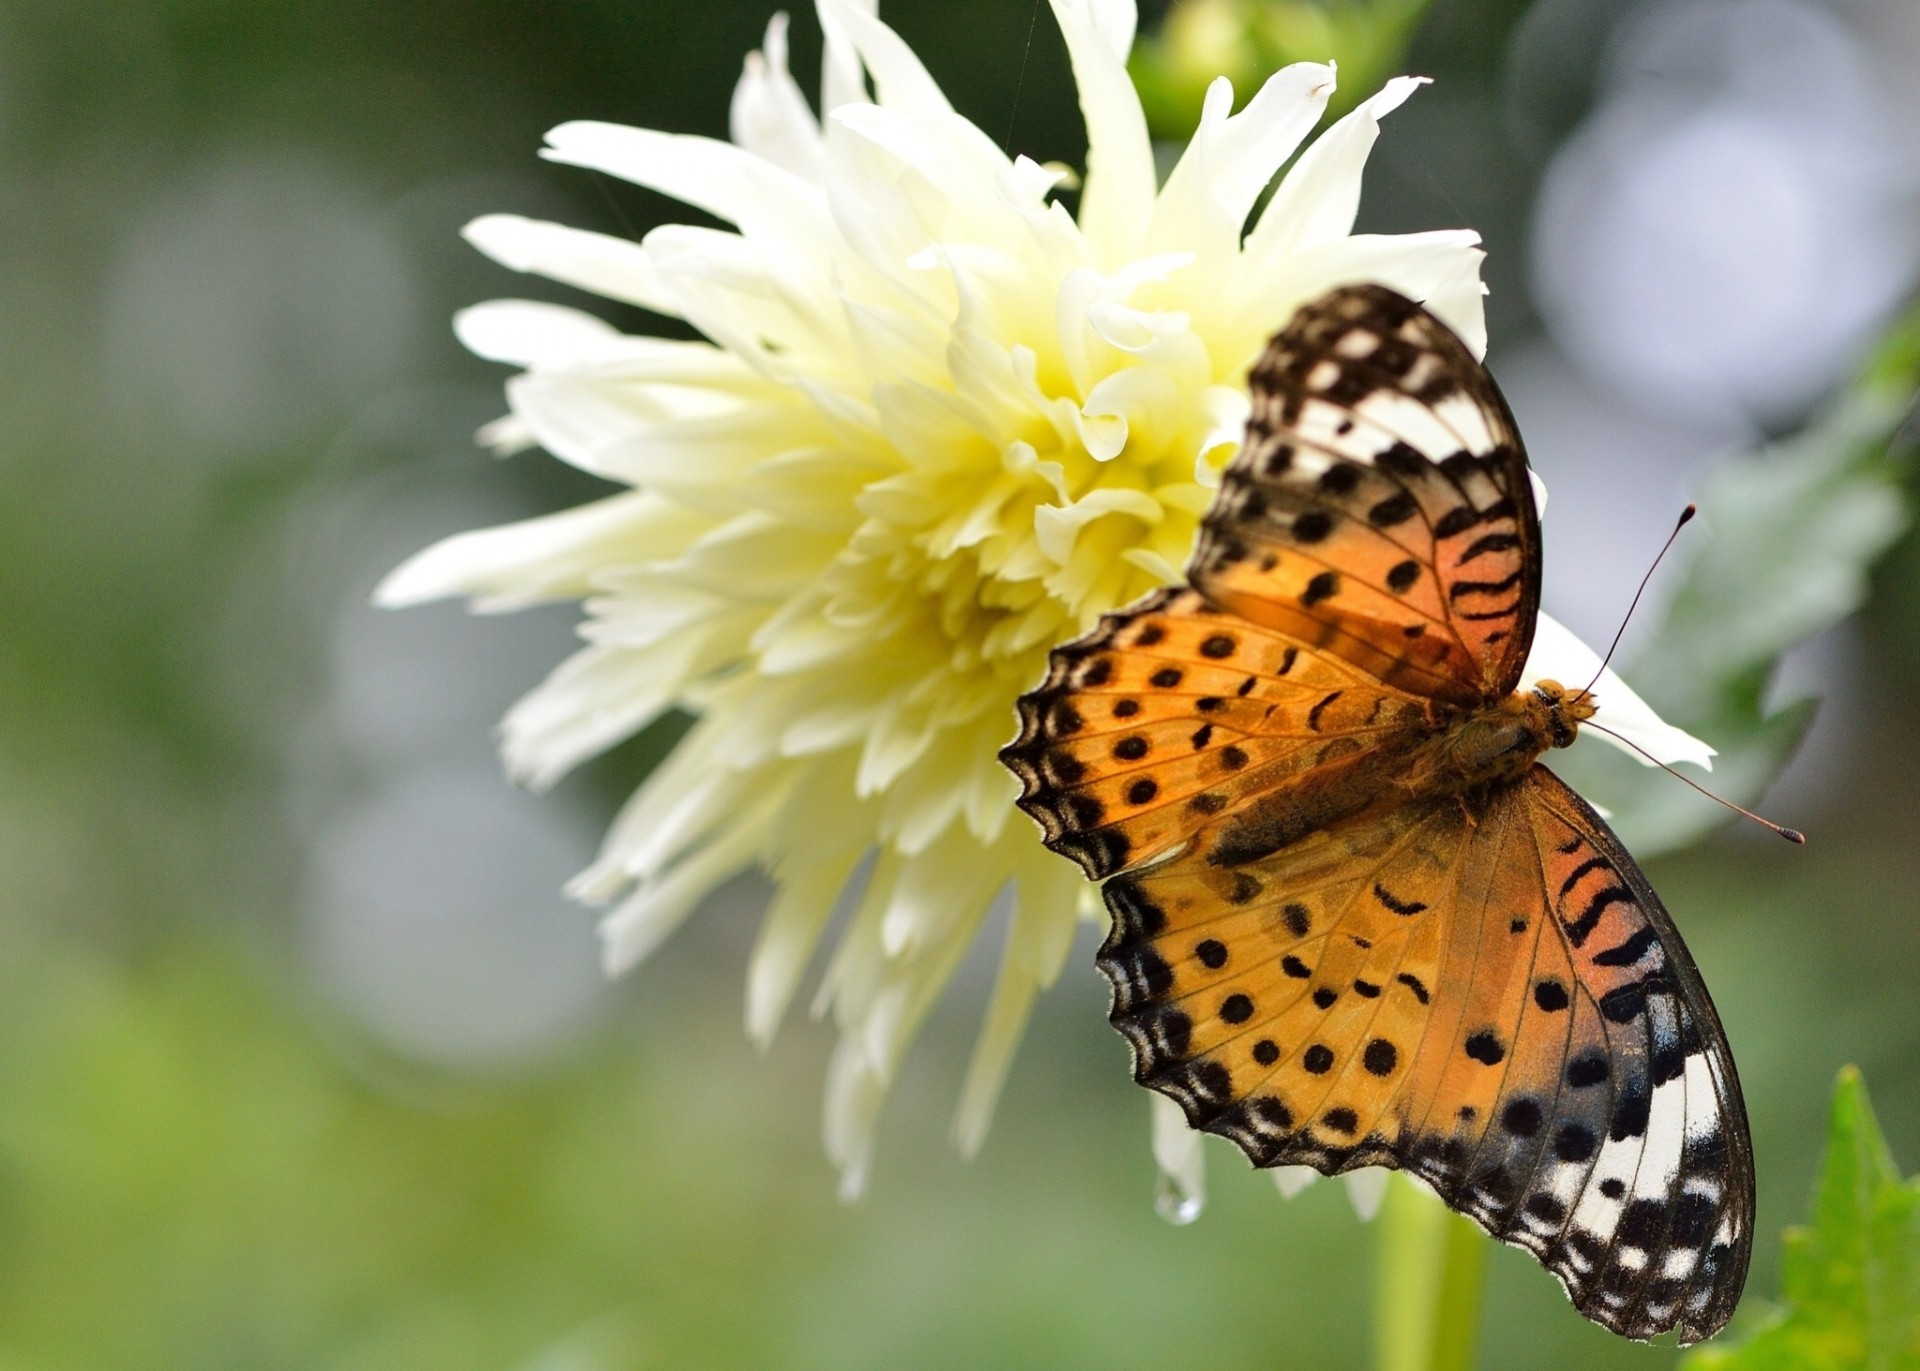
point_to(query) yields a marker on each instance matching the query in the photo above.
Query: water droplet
(1175, 1203)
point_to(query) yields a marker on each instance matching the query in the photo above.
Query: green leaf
(1787, 538)
(1850, 1281)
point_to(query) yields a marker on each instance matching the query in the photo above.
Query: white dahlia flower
(939, 424)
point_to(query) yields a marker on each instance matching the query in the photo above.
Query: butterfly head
(1560, 711)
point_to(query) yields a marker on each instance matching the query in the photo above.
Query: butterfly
(1355, 920)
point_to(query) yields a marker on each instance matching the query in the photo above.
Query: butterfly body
(1461, 756)
(1355, 920)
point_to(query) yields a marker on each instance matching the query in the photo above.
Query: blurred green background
(304, 1062)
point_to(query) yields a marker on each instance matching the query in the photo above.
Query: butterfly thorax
(1464, 753)
(1500, 741)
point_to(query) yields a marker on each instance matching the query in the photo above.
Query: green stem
(1427, 1297)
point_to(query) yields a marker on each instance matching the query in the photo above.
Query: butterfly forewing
(1380, 506)
(1171, 718)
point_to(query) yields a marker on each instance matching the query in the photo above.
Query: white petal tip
(501, 237)
(1367, 1190)
(417, 581)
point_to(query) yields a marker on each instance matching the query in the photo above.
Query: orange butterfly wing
(1490, 998)
(1479, 988)
(1380, 508)
(1173, 720)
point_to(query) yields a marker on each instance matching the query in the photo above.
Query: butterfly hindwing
(1486, 994)
(1380, 507)
(1281, 1002)
(1670, 1195)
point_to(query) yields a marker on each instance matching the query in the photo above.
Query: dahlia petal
(806, 896)
(1233, 156)
(607, 266)
(990, 794)
(506, 436)
(1154, 564)
(843, 80)
(1254, 144)
(942, 887)
(1116, 22)
(597, 697)
(1059, 529)
(1366, 1190)
(610, 872)
(753, 558)
(769, 116)
(1183, 1164)
(855, 1091)
(924, 803)
(555, 338)
(1559, 655)
(1460, 299)
(1117, 203)
(702, 461)
(1318, 199)
(642, 608)
(814, 487)
(828, 725)
(972, 165)
(726, 181)
(535, 561)
(1440, 268)
(1291, 1180)
(650, 915)
(728, 289)
(1144, 399)
(585, 423)
(899, 78)
(1039, 936)
(1228, 409)
(531, 333)
(896, 743)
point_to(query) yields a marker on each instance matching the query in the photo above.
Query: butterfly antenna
(1792, 835)
(1686, 515)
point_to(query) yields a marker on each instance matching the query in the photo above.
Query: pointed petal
(650, 915)
(547, 337)
(1440, 268)
(1232, 157)
(607, 266)
(1318, 198)
(1366, 1190)
(1291, 1180)
(795, 919)
(843, 81)
(899, 77)
(769, 116)
(539, 560)
(1182, 1188)
(528, 332)
(1116, 22)
(1117, 203)
(597, 697)
(728, 182)
(1039, 936)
